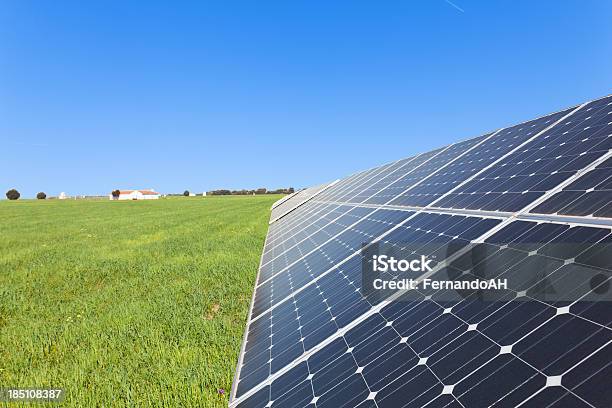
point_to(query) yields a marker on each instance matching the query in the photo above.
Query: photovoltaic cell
(288, 226)
(379, 183)
(297, 200)
(332, 302)
(542, 164)
(315, 339)
(311, 265)
(308, 238)
(431, 162)
(444, 180)
(422, 353)
(305, 221)
(283, 199)
(359, 184)
(589, 195)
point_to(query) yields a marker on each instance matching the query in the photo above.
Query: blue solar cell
(296, 200)
(420, 168)
(444, 180)
(590, 194)
(344, 191)
(540, 165)
(544, 343)
(317, 339)
(329, 304)
(391, 174)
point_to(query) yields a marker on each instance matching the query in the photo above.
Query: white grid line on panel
(403, 165)
(250, 316)
(372, 311)
(317, 247)
(282, 200)
(380, 237)
(299, 200)
(515, 342)
(337, 264)
(284, 236)
(301, 193)
(438, 210)
(588, 357)
(459, 253)
(302, 229)
(486, 138)
(361, 178)
(439, 350)
(566, 183)
(377, 308)
(394, 171)
(499, 159)
(382, 189)
(316, 193)
(348, 191)
(357, 183)
(481, 333)
(589, 221)
(456, 158)
(285, 226)
(377, 173)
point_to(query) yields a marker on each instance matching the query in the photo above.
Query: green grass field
(128, 303)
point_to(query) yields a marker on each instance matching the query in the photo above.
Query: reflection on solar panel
(282, 200)
(314, 339)
(285, 206)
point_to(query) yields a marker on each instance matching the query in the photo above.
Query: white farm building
(136, 195)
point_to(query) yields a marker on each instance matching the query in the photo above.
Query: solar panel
(281, 209)
(541, 164)
(283, 199)
(533, 199)
(588, 195)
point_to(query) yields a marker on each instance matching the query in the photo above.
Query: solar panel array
(283, 199)
(313, 339)
(293, 201)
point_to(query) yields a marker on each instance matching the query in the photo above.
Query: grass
(128, 303)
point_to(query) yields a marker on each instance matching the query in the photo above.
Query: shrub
(13, 194)
(116, 193)
(186, 193)
(41, 196)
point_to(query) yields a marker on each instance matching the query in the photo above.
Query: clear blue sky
(204, 95)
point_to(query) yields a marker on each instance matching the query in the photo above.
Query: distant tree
(281, 191)
(116, 193)
(13, 194)
(220, 192)
(41, 196)
(186, 193)
(261, 190)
